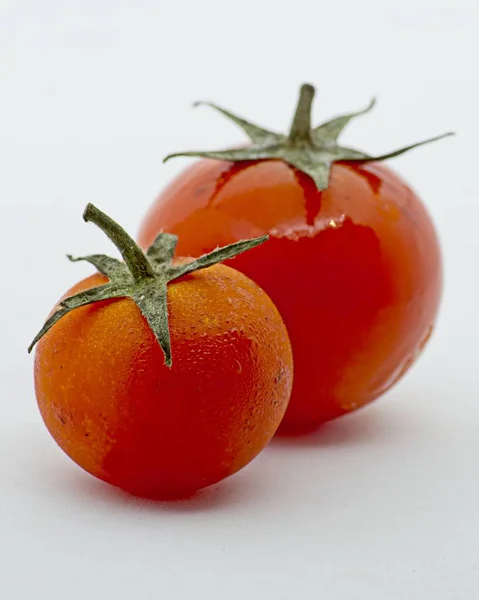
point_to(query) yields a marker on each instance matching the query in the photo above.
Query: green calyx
(143, 277)
(312, 150)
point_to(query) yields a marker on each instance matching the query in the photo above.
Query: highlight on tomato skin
(113, 402)
(353, 262)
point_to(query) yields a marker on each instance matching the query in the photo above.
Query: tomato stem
(312, 150)
(138, 264)
(301, 126)
(143, 278)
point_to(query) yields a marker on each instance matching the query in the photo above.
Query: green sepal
(310, 150)
(111, 267)
(143, 277)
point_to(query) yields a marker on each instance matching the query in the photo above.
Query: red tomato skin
(355, 270)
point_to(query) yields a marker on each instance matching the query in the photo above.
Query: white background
(382, 505)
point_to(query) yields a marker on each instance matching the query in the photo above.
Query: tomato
(114, 406)
(353, 265)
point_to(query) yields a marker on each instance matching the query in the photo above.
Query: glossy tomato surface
(113, 406)
(355, 270)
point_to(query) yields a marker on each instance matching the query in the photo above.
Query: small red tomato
(353, 261)
(113, 401)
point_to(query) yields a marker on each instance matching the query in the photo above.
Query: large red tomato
(353, 262)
